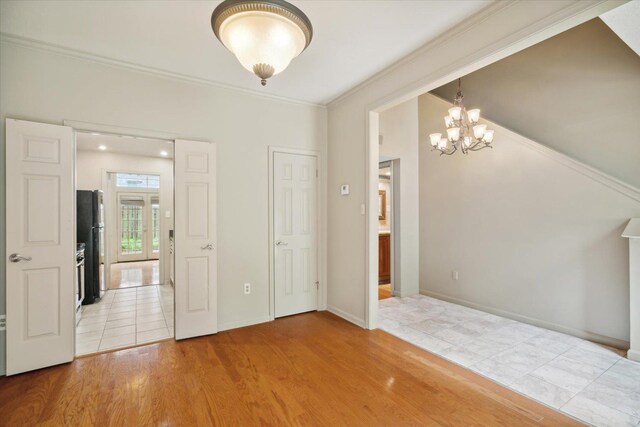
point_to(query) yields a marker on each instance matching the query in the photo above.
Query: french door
(138, 226)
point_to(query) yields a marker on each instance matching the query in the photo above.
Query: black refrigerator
(90, 231)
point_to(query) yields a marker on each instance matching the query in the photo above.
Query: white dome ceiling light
(265, 35)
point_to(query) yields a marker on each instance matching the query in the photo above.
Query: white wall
(399, 130)
(530, 237)
(503, 29)
(48, 87)
(92, 165)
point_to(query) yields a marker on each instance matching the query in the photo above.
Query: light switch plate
(344, 190)
(167, 214)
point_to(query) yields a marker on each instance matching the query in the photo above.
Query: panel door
(40, 224)
(295, 233)
(195, 239)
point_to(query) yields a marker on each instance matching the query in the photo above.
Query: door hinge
(317, 284)
(3, 322)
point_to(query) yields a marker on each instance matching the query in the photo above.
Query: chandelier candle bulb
(435, 138)
(478, 131)
(455, 113)
(448, 121)
(474, 115)
(488, 136)
(453, 134)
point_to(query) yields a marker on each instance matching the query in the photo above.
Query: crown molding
(572, 9)
(158, 72)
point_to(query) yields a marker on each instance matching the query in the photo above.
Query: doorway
(135, 301)
(385, 231)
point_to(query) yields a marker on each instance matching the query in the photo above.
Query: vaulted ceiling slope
(352, 40)
(577, 92)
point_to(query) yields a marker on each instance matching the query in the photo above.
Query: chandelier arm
(448, 153)
(475, 144)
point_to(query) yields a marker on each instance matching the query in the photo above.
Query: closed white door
(195, 239)
(295, 233)
(40, 221)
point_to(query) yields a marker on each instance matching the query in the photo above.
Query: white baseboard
(346, 316)
(601, 339)
(243, 323)
(633, 355)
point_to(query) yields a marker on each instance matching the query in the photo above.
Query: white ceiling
(625, 22)
(123, 144)
(352, 41)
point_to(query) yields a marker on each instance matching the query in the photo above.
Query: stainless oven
(79, 280)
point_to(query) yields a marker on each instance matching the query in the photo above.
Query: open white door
(195, 239)
(40, 274)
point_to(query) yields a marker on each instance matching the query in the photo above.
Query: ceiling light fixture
(164, 153)
(464, 132)
(265, 35)
(102, 147)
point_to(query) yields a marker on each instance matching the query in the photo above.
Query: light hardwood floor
(310, 369)
(133, 274)
(384, 291)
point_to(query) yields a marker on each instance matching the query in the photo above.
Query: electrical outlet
(454, 275)
(247, 288)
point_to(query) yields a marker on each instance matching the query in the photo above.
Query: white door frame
(444, 75)
(79, 126)
(322, 288)
(392, 221)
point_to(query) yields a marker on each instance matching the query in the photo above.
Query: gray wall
(577, 92)
(47, 87)
(531, 238)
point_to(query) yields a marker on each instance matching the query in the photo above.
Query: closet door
(195, 239)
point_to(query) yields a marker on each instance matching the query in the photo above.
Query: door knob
(208, 246)
(18, 258)
(281, 243)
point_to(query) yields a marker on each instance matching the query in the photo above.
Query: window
(130, 180)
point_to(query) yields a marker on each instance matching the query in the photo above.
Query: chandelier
(265, 35)
(464, 133)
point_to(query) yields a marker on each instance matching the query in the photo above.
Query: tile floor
(126, 317)
(587, 381)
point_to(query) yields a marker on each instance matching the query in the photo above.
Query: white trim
(346, 316)
(633, 355)
(322, 289)
(550, 23)
(80, 126)
(243, 323)
(591, 336)
(30, 43)
(583, 169)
